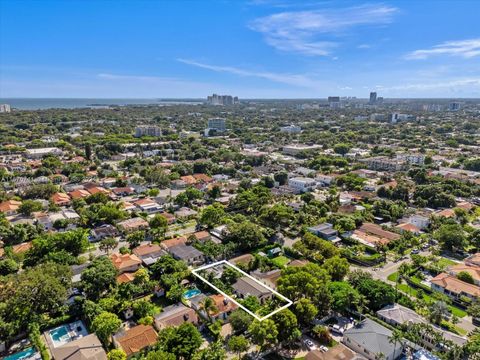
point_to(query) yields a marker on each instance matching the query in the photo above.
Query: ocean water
(51, 103)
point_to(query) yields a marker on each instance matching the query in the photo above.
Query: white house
(302, 184)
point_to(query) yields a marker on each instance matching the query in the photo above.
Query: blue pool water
(60, 334)
(191, 293)
(22, 355)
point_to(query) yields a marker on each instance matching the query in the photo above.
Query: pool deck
(72, 332)
(34, 356)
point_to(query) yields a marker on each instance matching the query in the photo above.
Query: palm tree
(208, 305)
(380, 356)
(455, 353)
(396, 337)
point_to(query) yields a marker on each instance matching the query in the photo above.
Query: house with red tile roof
(473, 259)
(453, 287)
(18, 249)
(60, 199)
(126, 262)
(188, 179)
(167, 244)
(149, 253)
(98, 189)
(10, 207)
(223, 307)
(447, 213)
(79, 194)
(125, 278)
(133, 224)
(408, 227)
(473, 270)
(202, 178)
(135, 339)
(371, 234)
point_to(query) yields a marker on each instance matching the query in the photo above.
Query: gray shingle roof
(372, 336)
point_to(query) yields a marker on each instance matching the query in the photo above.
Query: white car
(309, 343)
(323, 348)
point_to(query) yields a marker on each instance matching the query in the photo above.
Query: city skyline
(253, 49)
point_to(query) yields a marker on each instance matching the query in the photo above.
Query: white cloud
(290, 79)
(472, 84)
(305, 31)
(464, 48)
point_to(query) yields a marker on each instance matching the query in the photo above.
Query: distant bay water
(52, 103)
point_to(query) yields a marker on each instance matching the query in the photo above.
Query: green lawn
(281, 261)
(393, 277)
(444, 262)
(413, 292)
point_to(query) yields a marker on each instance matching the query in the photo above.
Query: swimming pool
(191, 293)
(28, 353)
(67, 332)
(60, 335)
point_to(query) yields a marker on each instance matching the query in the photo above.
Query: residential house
(10, 207)
(17, 249)
(128, 206)
(60, 199)
(175, 315)
(135, 339)
(473, 270)
(418, 220)
(79, 194)
(371, 234)
(148, 253)
(148, 205)
(325, 231)
(123, 191)
(371, 339)
(223, 306)
(446, 213)
(302, 184)
(170, 218)
(125, 278)
(98, 189)
(246, 286)
(185, 212)
(188, 254)
(103, 231)
(242, 259)
(167, 244)
(399, 315)
(408, 227)
(84, 348)
(453, 287)
(473, 260)
(188, 179)
(202, 236)
(133, 224)
(269, 278)
(338, 352)
(126, 262)
(40, 153)
(203, 178)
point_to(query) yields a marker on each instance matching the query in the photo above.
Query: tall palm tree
(208, 305)
(395, 338)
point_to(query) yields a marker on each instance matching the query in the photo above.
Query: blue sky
(253, 49)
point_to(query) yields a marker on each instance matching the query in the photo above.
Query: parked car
(309, 343)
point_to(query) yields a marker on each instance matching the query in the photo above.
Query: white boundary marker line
(289, 302)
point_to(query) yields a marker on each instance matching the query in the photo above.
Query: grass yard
(281, 261)
(444, 262)
(405, 288)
